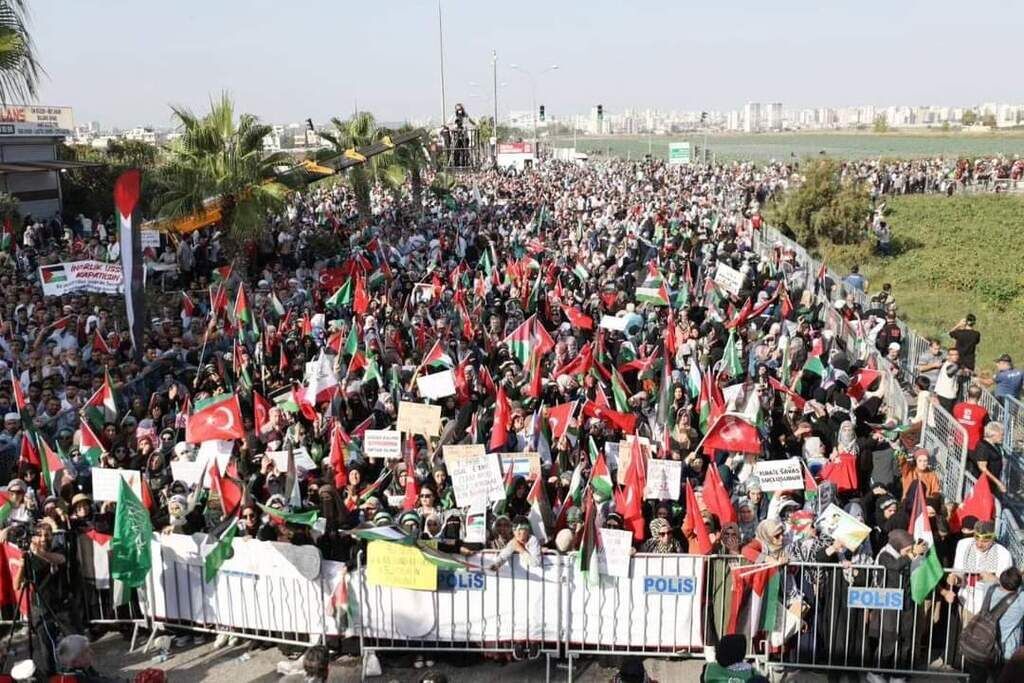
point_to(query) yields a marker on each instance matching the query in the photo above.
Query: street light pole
(440, 39)
(494, 68)
(533, 99)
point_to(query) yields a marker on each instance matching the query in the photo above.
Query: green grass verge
(954, 255)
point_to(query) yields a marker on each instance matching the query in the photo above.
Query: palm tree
(413, 159)
(19, 70)
(362, 131)
(219, 158)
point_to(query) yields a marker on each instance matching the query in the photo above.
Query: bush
(824, 208)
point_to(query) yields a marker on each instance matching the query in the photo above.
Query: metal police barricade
(946, 439)
(664, 607)
(831, 618)
(268, 591)
(914, 346)
(515, 610)
(1013, 448)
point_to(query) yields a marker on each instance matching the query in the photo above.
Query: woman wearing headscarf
(661, 542)
(746, 519)
(771, 542)
(501, 532)
(893, 628)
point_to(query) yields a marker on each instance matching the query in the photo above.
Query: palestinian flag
(653, 290)
(437, 358)
(342, 297)
(601, 479)
(19, 402)
(222, 275)
(276, 305)
(925, 570)
(7, 242)
(763, 584)
(540, 510)
(216, 418)
(619, 392)
(693, 378)
(243, 313)
(101, 408)
(380, 533)
(216, 548)
(580, 272)
(814, 366)
(307, 518)
(666, 416)
(50, 465)
(5, 507)
(528, 338)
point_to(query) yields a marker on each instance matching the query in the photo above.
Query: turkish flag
(734, 434)
(230, 492)
(261, 411)
(502, 419)
(625, 422)
(980, 504)
(862, 381)
(716, 497)
(221, 420)
(696, 522)
(843, 473)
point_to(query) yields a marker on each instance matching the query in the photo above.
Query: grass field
(782, 146)
(955, 255)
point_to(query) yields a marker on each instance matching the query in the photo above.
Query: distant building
(752, 117)
(775, 116)
(29, 169)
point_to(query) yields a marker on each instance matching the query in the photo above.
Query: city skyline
(282, 62)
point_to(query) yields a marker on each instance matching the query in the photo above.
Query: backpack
(980, 641)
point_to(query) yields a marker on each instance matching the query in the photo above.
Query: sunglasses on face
(249, 515)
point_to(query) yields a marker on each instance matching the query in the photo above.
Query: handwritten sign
(419, 418)
(613, 553)
(399, 566)
(663, 477)
(526, 465)
(437, 385)
(729, 279)
(780, 475)
(107, 481)
(841, 526)
(476, 475)
(382, 443)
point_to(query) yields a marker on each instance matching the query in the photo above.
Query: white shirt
(970, 560)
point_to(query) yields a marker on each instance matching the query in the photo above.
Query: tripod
(49, 622)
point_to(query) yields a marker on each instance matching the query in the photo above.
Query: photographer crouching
(43, 571)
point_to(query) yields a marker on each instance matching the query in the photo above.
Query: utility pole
(494, 69)
(440, 38)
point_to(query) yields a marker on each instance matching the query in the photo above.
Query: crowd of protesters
(540, 261)
(937, 175)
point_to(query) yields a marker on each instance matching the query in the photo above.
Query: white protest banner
(437, 385)
(81, 276)
(663, 479)
(382, 443)
(780, 475)
(475, 474)
(419, 418)
(610, 322)
(841, 526)
(611, 454)
(613, 553)
(728, 278)
(150, 240)
(189, 472)
(216, 449)
(526, 465)
(107, 481)
(303, 463)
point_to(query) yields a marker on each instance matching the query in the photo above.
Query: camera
(19, 535)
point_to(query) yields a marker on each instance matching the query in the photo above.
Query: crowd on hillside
(598, 315)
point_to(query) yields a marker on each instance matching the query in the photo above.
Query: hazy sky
(123, 61)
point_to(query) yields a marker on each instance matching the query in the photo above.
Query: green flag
(306, 518)
(342, 297)
(130, 558)
(216, 547)
(732, 361)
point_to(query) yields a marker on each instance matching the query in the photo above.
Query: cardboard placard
(476, 475)
(728, 278)
(107, 481)
(190, 472)
(524, 464)
(610, 322)
(437, 385)
(399, 566)
(841, 526)
(419, 418)
(613, 553)
(382, 443)
(663, 479)
(780, 475)
(303, 463)
(216, 450)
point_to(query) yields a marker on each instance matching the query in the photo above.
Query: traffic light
(703, 117)
(600, 111)
(309, 124)
(542, 112)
